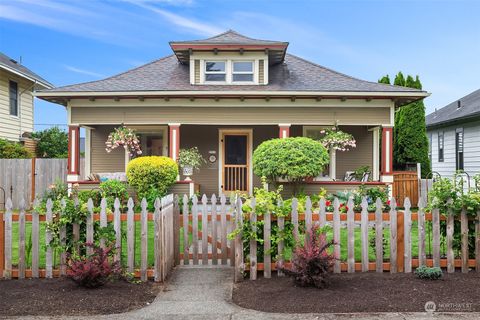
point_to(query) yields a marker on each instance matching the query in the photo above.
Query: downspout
(20, 106)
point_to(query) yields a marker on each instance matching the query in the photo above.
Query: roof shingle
(295, 74)
(469, 107)
(11, 64)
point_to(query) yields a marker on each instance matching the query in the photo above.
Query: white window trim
(205, 72)
(229, 71)
(17, 116)
(254, 71)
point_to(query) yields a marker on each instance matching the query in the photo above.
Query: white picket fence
(165, 219)
(398, 223)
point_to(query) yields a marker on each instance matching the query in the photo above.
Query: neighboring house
(17, 84)
(454, 135)
(225, 95)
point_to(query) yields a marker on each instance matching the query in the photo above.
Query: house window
(242, 71)
(13, 98)
(215, 71)
(459, 149)
(440, 147)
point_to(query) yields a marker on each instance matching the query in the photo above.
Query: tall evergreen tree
(410, 133)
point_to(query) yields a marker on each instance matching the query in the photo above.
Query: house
(454, 136)
(225, 95)
(17, 84)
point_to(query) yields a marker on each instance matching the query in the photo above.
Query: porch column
(376, 154)
(174, 142)
(387, 154)
(73, 165)
(284, 130)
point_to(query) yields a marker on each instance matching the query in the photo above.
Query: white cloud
(189, 24)
(84, 72)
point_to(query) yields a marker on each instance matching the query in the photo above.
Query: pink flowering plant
(336, 139)
(126, 137)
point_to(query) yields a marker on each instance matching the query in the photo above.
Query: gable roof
(13, 66)
(469, 108)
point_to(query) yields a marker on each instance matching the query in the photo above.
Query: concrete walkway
(205, 293)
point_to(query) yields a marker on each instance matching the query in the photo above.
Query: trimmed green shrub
(152, 175)
(13, 150)
(429, 273)
(52, 143)
(293, 159)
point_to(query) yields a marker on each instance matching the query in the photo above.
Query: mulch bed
(362, 292)
(49, 297)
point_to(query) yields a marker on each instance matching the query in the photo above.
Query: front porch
(228, 150)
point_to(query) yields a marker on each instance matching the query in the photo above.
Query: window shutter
(197, 72)
(261, 71)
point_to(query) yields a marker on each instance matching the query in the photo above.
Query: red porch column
(284, 130)
(174, 140)
(387, 154)
(73, 172)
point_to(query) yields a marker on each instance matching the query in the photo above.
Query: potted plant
(188, 160)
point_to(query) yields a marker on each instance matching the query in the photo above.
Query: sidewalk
(205, 293)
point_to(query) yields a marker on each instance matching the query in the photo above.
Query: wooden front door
(235, 161)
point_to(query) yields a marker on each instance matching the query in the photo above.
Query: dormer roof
(230, 41)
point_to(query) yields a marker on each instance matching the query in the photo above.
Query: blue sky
(83, 40)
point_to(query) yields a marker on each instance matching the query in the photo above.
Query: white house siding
(12, 127)
(471, 148)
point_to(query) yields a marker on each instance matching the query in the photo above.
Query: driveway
(205, 293)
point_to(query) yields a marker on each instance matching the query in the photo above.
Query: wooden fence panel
(436, 237)
(186, 245)
(253, 243)
(393, 236)
(267, 256)
(130, 237)
(48, 239)
(204, 230)
(336, 235)
(239, 264)
(364, 234)
(195, 229)
(407, 238)
(378, 236)
(143, 241)
(464, 232)
(214, 230)
(350, 237)
(117, 226)
(21, 241)
(450, 230)
(7, 272)
(35, 242)
(405, 185)
(422, 254)
(223, 228)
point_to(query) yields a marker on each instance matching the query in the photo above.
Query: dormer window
(215, 71)
(242, 71)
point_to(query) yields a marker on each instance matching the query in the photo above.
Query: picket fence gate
(164, 217)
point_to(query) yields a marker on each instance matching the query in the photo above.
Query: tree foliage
(13, 150)
(293, 159)
(410, 133)
(52, 143)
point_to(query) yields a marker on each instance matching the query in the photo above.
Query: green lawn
(343, 244)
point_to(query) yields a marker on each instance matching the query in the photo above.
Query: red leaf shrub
(93, 271)
(311, 262)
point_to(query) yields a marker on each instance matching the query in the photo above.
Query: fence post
(176, 230)
(239, 265)
(2, 244)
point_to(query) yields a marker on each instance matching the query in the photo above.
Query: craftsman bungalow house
(225, 95)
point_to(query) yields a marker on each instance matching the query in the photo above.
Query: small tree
(52, 143)
(410, 142)
(293, 159)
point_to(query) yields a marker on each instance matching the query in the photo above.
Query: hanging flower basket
(126, 137)
(337, 140)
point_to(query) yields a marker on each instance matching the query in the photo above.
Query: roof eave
(469, 118)
(42, 83)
